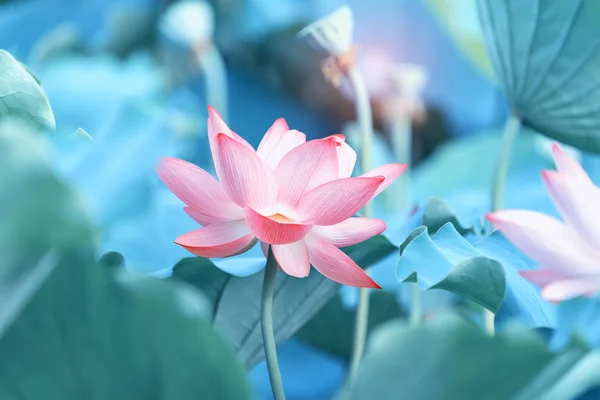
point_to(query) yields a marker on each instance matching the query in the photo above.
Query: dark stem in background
(267, 326)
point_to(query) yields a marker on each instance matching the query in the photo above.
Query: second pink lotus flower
(294, 195)
(569, 251)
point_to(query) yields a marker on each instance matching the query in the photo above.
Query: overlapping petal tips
(559, 286)
(276, 228)
(272, 139)
(304, 168)
(204, 219)
(335, 264)
(217, 240)
(550, 242)
(567, 289)
(198, 189)
(577, 201)
(245, 178)
(390, 172)
(215, 126)
(346, 156)
(336, 201)
(293, 258)
(543, 276)
(351, 231)
(567, 165)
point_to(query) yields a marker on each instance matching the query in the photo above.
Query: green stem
(267, 327)
(415, 304)
(511, 130)
(365, 122)
(488, 322)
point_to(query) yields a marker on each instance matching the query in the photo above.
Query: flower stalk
(365, 123)
(415, 304)
(267, 327)
(511, 131)
(332, 36)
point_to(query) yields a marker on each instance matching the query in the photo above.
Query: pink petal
(218, 240)
(336, 201)
(275, 229)
(293, 258)
(390, 172)
(578, 202)
(546, 240)
(290, 140)
(568, 289)
(272, 137)
(202, 218)
(306, 167)
(346, 156)
(215, 126)
(198, 189)
(567, 165)
(542, 277)
(245, 177)
(351, 231)
(335, 264)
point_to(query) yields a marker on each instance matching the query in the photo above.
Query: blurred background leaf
(545, 55)
(332, 328)
(447, 357)
(86, 332)
(21, 95)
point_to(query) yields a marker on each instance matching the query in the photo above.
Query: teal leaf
(20, 94)
(71, 330)
(436, 214)
(236, 300)
(545, 55)
(544, 384)
(485, 273)
(17, 287)
(445, 262)
(446, 357)
(332, 328)
(26, 68)
(203, 275)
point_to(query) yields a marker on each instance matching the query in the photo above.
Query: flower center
(280, 218)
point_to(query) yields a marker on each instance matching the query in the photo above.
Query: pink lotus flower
(569, 251)
(294, 195)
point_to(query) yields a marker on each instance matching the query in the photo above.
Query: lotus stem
(365, 123)
(511, 130)
(267, 327)
(415, 304)
(488, 322)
